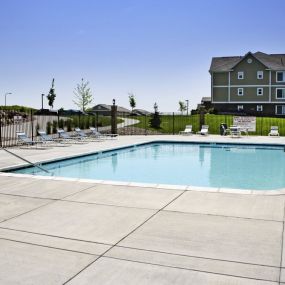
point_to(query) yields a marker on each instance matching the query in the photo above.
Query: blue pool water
(211, 165)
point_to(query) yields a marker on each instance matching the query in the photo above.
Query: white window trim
(277, 76)
(240, 73)
(259, 108)
(260, 72)
(283, 108)
(258, 90)
(283, 93)
(240, 107)
(241, 92)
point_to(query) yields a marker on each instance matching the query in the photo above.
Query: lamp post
(187, 106)
(43, 101)
(7, 93)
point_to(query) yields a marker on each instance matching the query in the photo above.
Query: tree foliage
(155, 120)
(51, 95)
(182, 106)
(132, 100)
(83, 95)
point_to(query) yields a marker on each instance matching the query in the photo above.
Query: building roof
(206, 99)
(105, 107)
(271, 61)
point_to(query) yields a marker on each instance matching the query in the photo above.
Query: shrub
(48, 130)
(155, 121)
(54, 127)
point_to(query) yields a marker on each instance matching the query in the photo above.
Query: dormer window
(240, 75)
(259, 74)
(280, 76)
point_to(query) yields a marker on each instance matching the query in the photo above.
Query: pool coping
(274, 192)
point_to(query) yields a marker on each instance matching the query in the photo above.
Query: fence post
(114, 118)
(202, 117)
(32, 125)
(97, 120)
(145, 131)
(1, 131)
(173, 118)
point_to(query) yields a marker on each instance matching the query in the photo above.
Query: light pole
(187, 106)
(7, 93)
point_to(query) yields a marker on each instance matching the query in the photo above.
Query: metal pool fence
(13, 121)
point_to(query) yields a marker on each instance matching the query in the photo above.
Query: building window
(259, 108)
(259, 91)
(240, 75)
(240, 92)
(280, 76)
(280, 93)
(280, 110)
(259, 74)
(240, 107)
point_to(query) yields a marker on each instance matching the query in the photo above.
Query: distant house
(104, 109)
(205, 102)
(251, 84)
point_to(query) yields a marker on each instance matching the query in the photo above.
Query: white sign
(17, 119)
(245, 123)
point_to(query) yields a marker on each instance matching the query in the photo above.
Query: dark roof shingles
(272, 61)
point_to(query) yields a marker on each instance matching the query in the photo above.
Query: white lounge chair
(204, 130)
(48, 140)
(24, 140)
(81, 134)
(274, 131)
(65, 137)
(97, 134)
(187, 131)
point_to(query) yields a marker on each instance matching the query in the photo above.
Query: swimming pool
(239, 166)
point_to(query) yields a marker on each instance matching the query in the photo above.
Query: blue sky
(158, 49)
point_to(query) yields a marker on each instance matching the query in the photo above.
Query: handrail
(33, 164)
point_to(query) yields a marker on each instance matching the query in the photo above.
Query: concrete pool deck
(55, 231)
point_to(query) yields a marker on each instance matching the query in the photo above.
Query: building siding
(220, 78)
(220, 94)
(250, 73)
(249, 109)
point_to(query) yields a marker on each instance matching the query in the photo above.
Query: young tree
(51, 95)
(182, 107)
(132, 101)
(155, 121)
(83, 95)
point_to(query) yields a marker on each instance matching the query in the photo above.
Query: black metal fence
(29, 122)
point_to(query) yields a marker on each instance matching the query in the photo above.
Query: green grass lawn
(263, 124)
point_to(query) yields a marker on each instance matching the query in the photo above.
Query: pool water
(210, 165)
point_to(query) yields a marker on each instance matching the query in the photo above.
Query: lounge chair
(65, 137)
(46, 139)
(24, 140)
(97, 134)
(274, 131)
(204, 130)
(187, 131)
(81, 134)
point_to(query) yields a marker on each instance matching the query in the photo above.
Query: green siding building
(253, 84)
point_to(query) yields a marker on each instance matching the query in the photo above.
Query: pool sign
(247, 123)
